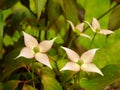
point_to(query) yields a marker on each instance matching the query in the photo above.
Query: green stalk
(93, 39)
(33, 78)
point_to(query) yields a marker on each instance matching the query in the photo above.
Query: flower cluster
(36, 50)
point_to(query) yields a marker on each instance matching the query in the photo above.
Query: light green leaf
(97, 82)
(28, 87)
(39, 4)
(1, 27)
(7, 40)
(70, 10)
(114, 20)
(50, 83)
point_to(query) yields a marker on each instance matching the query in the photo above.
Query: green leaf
(39, 4)
(28, 87)
(54, 10)
(50, 83)
(1, 27)
(114, 20)
(11, 64)
(11, 85)
(97, 82)
(47, 72)
(7, 40)
(70, 10)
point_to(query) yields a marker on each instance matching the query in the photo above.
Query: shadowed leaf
(114, 20)
(1, 27)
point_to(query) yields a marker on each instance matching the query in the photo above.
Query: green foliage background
(46, 19)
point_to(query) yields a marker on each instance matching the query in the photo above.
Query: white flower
(36, 50)
(79, 29)
(97, 29)
(84, 62)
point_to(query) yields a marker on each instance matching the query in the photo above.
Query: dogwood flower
(36, 50)
(97, 29)
(84, 62)
(79, 29)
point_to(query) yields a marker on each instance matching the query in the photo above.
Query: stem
(93, 39)
(70, 43)
(39, 35)
(33, 74)
(107, 12)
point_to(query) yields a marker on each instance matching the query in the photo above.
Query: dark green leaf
(114, 20)
(11, 64)
(39, 4)
(26, 3)
(1, 86)
(97, 82)
(1, 27)
(11, 85)
(5, 4)
(50, 83)
(81, 12)
(54, 10)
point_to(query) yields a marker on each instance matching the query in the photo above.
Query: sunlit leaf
(70, 10)
(114, 20)
(50, 83)
(39, 4)
(28, 87)
(97, 82)
(7, 40)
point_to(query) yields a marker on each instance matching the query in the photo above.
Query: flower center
(80, 62)
(36, 50)
(97, 30)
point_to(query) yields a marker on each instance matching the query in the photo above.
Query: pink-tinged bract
(46, 45)
(95, 24)
(43, 58)
(30, 41)
(105, 32)
(80, 27)
(91, 68)
(26, 52)
(72, 55)
(71, 66)
(88, 56)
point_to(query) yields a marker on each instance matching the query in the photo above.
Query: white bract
(79, 29)
(97, 29)
(84, 62)
(36, 50)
